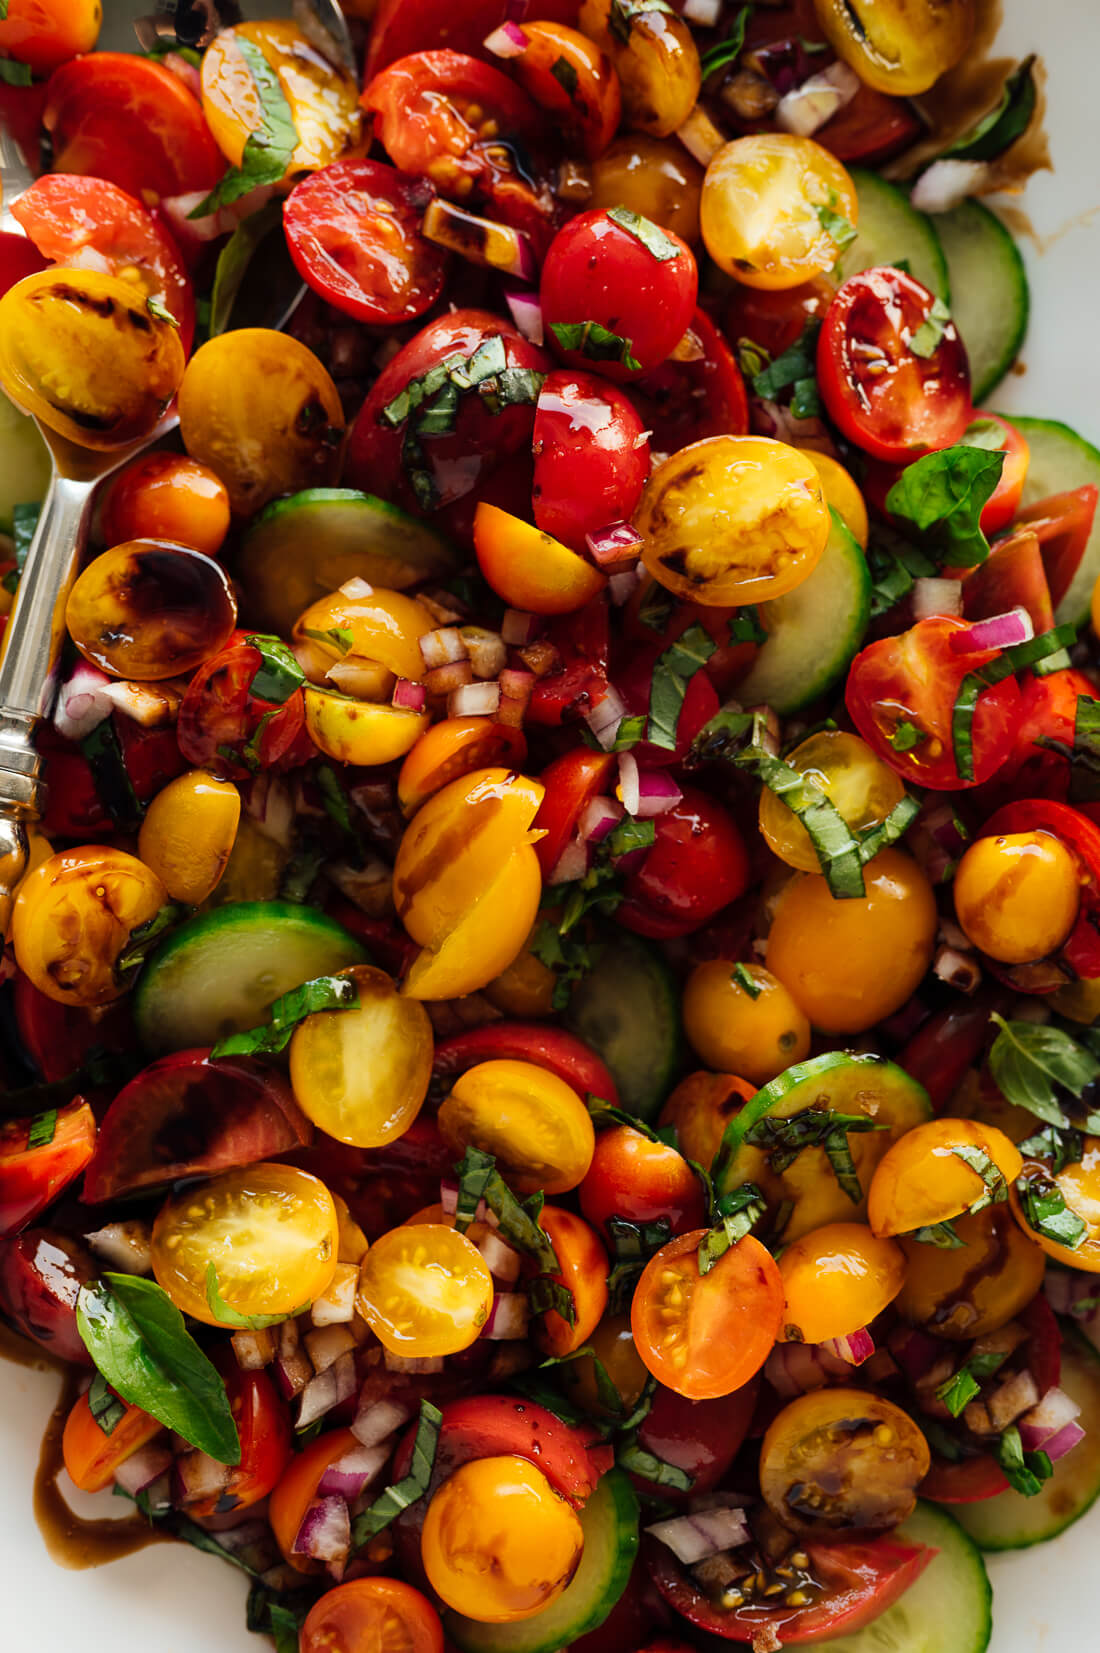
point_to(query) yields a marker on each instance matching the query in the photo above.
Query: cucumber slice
(814, 630)
(219, 972)
(1012, 1522)
(628, 1010)
(305, 547)
(808, 1187)
(990, 298)
(25, 463)
(948, 1609)
(610, 1523)
(891, 231)
(1060, 460)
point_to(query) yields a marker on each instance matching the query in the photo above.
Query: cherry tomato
(890, 401)
(83, 800)
(92, 1457)
(1063, 524)
(147, 610)
(582, 99)
(353, 230)
(424, 1291)
(755, 1034)
(1078, 1183)
(41, 1273)
(976, 1288)
(701, 1437)
(762, 211)
(686, 401)
(836, 1280)
(553, 1048)
(452, 748)
(967, 1482)
(74, 915)
(598, 272)
(297, 1488)
(774, 318)
(700, 1108)
(915, 679)
(366, 1612)
(657, 64)
(582, 1270)
(655, 177)
(842, 1459)
(264, 1431)
(398, 29)
(861, 786)
(45, 35)
(898, 47)
(225, 727)
(1001, 509)
(571, 782)
(1080, 952)
(700, 703)
(568, 693)
(1016, 895)
(130, 120)
(188, 834)
(945, 1046)
(1012, 576)
(530, 570)
(321, 98)
(641, 1180)
(612, 1344)
(704, 1335)
(536, 1125)
(591, 457)
(167, 496)
(34, 1171)
(697, 864)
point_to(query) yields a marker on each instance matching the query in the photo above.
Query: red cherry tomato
(60, 1037)
(583, 99)
(84, 801)
(132, 121)
(18, 258)
(353, 230)
(579, 684)
(888, 400)
(221, 720)
(456, 461)
(967, 1482)
(1038, 766)
(1005, 502)
(399, 28)
(264, 1430)
(915, 678)
(591, 457)
(549, 1047)
(167, 496)
(696, 865)
(596, 271)
(946, 1046)
(1064, 526)
(31, 1178)
(570, 782)
(773, 318)
(633, 1177)
(1012, 576)
(41, 1273)
(684, 401)
(701, 1437)
(700, 704)
(67, 216)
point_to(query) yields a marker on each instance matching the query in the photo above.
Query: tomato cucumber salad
(551, 1027)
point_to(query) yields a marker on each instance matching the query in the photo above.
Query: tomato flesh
(31, 1178)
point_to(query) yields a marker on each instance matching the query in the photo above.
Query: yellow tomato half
(773, 207)
(323, 101)
(536, 1125)
(74, 915)
(837, 1280)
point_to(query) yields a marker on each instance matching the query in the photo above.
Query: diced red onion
(501, 1259)
(349, 1475)
(1069, 1436)
(615, 547)
(518, 627)
(177, 210)
(335, 1384)
(1015, 1396)
(362, 679)
(442, 647)
(1001, 631)
(526, 313)
(704, 12)
(408, 696)
(508, 1317)
(82, 703)
(143, 1467)
(199, 1477)
(507, 41)
(126, 1245)
(488, 655)
(853, 1349)
(292, 1373)
(621, 587)
(253, 1350)
(272, 805)
(152, 705)
(448, 1199)
(947, 183)
(517, 685)
(444, 680)
(958, 969)
(945, 827)
(325, 1532)
(415, 1368)
(657, 793)
(336, 1305)
(693, 1538)
(1047, 1419)
(630, 788)
(356, 588)
(599, 817)
(935, 596)
(474, 700)
(604, 718)
(1064, 1289)
(806, 108)
(571, 864)
(326, 1344)
(379, 1420)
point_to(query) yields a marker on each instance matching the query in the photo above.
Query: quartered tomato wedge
(39, 1158)
(571, 782)
(224, 726)
(1063, 524)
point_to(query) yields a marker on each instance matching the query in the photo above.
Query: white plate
(171, 1598)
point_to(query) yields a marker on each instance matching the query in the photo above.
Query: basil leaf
(958, 1392)
(390, 1503)
(738, 1212)
(631, 834)
(549, 1296)
(235, 258)
(1007, 121)
(102, 750)
(783, 1139)
(672, 672)
(334, 798)
(742, 977)
(268, 150)
(1059, 1146)
(595, 341)
(632, 1245)
(942, 1235)
(337, 637)
(479, 1179)
(322, 993)
(745, 627)
(565, 74)
(278, 674)
(1046, 1211)
(146, 936)
(926, 341)
(798, 362)
(15, 74)
(43, 1128)
(637, 1461)
(943, 495)
(105, 1406)
(1040, 1068)
(906, 735)
(227, 1316)
(896, 824)
(277, 1615)
(1026, 1471)
(838, 228)
(651, 235)
(996, 1188)
(727, 51)
(1084, 779)
(137, 1339)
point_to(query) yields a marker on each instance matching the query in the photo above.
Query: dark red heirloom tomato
(82, 798)
(1063, 523)
(60, 1037)
(353, 230)
(31, 1178)
(947, 1045)
(704, 395)
(591, 457)
(132, 121)
(571, 782)
(701, 1437)
(600, 273)
(915, 678)
(696, 865)
(548, 1047)
(223, 725)
(892, 402)
(634, 1177)
(1012, 576)
(775, 318)
(264, 1430)
(456, 461)
(41, 1273)
(400, 28)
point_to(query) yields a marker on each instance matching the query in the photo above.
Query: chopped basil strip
(743, 978)
(269, 150)
(782, 1139)
(1058, 1145)
(672, 673)
(13, 73)
(727, 51)
(336, 637)
(565, 74)
(635, 1459)
(797, 364)
(43, 1128)
(906, 735)
(160, 311)
(279, 1616)
(633, 1244)
(322, 993)
(738, 1213)
(942, 496)
(964, 1386)
(334, 798)
(235, 258)
(137, 1339)
(595, 341)
(549, 1296)
(1046, 1211)
(1008, 120)
(606, 1392)
(103, 751)
(1042, 1069)
(146, 936)
(569, 956)
(896, 824)
(278, 674)
(838, 228)
(651, 235)
(105, 1407)
(942, 1235)
(745, 627)
(1026, 1471)
(656, 609)
(996, 1188)
(894, 564)
(479, 1179)
(1084, 755)
(227, 1316)
(621, 15)
(925, 341)
(389, 1504)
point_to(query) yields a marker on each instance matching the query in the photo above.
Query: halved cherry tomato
(634, 1177)
(1081, 949)
(704, 395)
(701, 1107)
(1001, 508)
(372, 1612)
(705, 1335)
(573, 689)
(531, 570)
(701, 1437)
(46, 35)
(41, 1273)
(91, 1456)
(561, 1053)
(264, 1430)
(353, 230)
(1038, 765)
(571, 782)
(223, 726)
(697, 864)
(456, 747)
(84, 798)
(132, 121)
(574, 82)
(582, 1270)
(591, 457)
(915, 679)
(1063, 523)
(399, 28)
(890, 401)
(31, 1177)
(297, 1488)
(842, 1459)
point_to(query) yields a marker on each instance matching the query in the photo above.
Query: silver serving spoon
(36, 630)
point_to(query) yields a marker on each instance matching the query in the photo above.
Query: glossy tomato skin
(697, 864)
(32, 1178)
(1012, 576)
(967, 1482)
(888, 400)
(566, 694)
(915, 677)
(685, 402)
(1048, 713)
(700, 704)
(18, 258)
(220, 718)
(549, 1047)
(399, 28)
(591, 457)
(643, 1181)
(1001, 508)
(1063, 524)
(60, 1037)
(79, 804)
(353, 230)
(41, 1273)
(1081, 836)
(949, 1043)
(570, 782)
(597, 271)
(773, 318)
(460, 459)
(701, 1437)
(264, 1429)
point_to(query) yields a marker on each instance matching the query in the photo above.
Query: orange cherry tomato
(757, 1034)
(701, 1107)
(633, 1177)
(74, 915)
(536, 1125)
(32, 1178)
(297, 1488)
(264, 1430)
(842, 1459)
(454, 748)
(529, 569)
(1079, 1185)
(369, 1613)
(91, 1457)
(705, 1335)
(837, 1279)
(975, 1288)
(582, 1268)
(167, 496)
(424, 1290)
(583, 98)
(934, 1173)
(46, 33)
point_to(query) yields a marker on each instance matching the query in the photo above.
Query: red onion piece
(629, 782)
(444, 680)
(1056, 1446)
(604, 719)
(502, 1260)
(349, 1475)
(657, 793)
(1047, 1419)
(807, 108)
(335, 1384)
(325, 1532)
(615, 547)
(292, 1373)
(488, 655)
(378, 1420)
(518, 627)
(571, 864)
(853, 1349)
(409, 696)
(797, 1368)
(82, 704)
(448, 1199)
(621, 587)
(508, 1317)
(199, 1477)
(947, 183)
(935, 596)
(1002, 631)
(442, 647)
(253, 1350)
(526, 312)
(507, 41)
(145, 1466)
(474, 700)
(599, 817)
(692, 1538)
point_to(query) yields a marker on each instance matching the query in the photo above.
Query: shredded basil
(927, 338)
(651, 235)
(549, 1296)
(145, 937)
(322, 993)
(227, 1316)
(837, 227)
(279, 1616)
(632, 1244)
(1017, 657)
(336, 637)
(1046, 1211)
(1084, 755)
(105, 1406)
(278, 674)
(638, 1461)
(1026, 1471)
(745, 627)
(565, 74)
(964, 1386)
(15, 74)
(727, 51)
(743, 978)
(782, 1139)
(160, 311)
(906, 735)
(738, 1212)
(235, 258)
(1005, 122)
(269, 150)
(1058, 1145)
(598, 343)
(942, 1235)
(102, 750)
(397, 1497)
(43, 1128)
(672, 673)
(796, 366)
(996, 1188)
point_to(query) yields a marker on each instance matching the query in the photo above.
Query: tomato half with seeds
(36, 1166)
(353, 230)
(892, 401)
(225, 727)
(696, 865)
(580, 683)
(372, 1612)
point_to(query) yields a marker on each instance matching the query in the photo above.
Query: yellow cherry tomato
(657, 64)
(499, 1544)
(842, 494)
(424, 1291)
(73, 916)
(39, 849)
(655, 177)
(1078, 1001)
(323, 100)
(736, 1030)
(934, 1173)
(269, 1233)
(536, 1125)
(86, 357)
(898, 46)
(362, 643)
(700, 1108)
(773, 207)
(1078, 1183)
(1016, 895)
(732, 520)
(851, 963)
(455, 747)
(259, 409)
(189, 832)
(612, 1344)
(529, 569)
(525, 989)
(361, 1074)
(975, 1288)
(485, 940)
(863, 788)
(837, 1280)
(147, 610)
(360, 731)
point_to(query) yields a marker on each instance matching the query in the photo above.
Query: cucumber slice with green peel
(814, 630)
(891, 231)
(628, 1009)
(1012, 1522)
(1060, 460)
(806, 1193)
(25, 464)
(610, 1524)
(219, 972)
(990, 297)
(948, 1609)
(306, 546)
